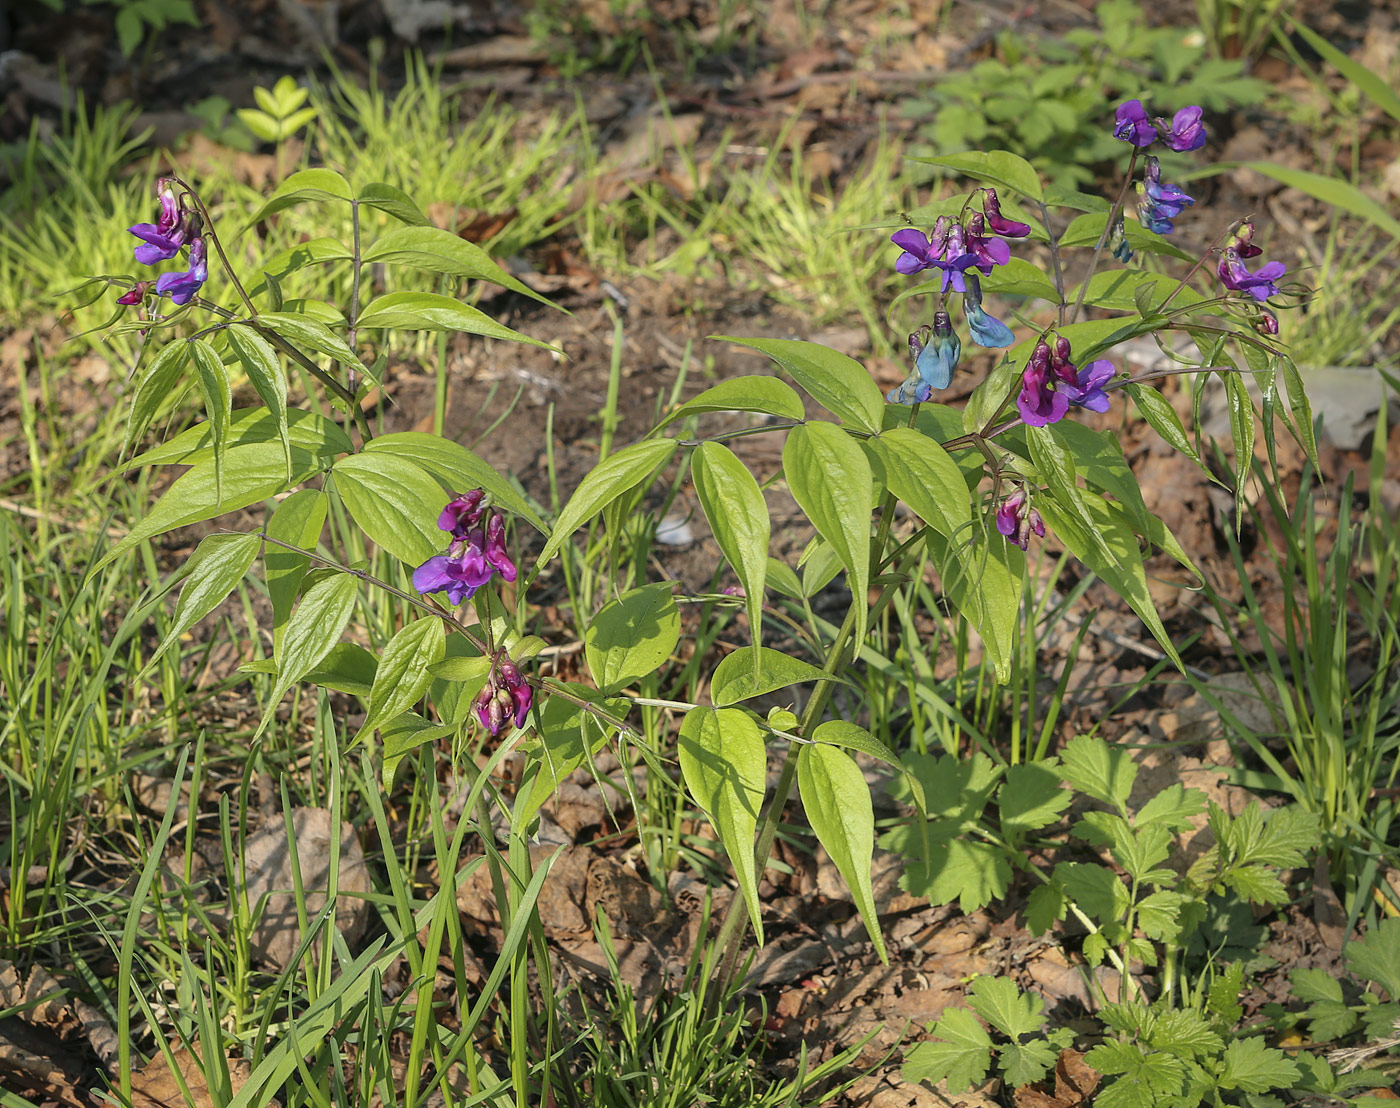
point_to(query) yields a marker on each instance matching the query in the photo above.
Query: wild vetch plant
(981, 484)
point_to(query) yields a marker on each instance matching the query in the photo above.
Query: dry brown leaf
(156, 1086)
(1075, 1083)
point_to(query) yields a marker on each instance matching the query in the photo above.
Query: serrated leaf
(831, 480)
(1031, 798)
(955, 789)
(1377, 957)
(961, 1055)
(1175, 807)
(1252, 1067)
(610, 479)
(838, 383)
(1044, 907)
(838, 806)
(738, 515)
(1096, 889)
(1012, 1012)
(725, 767)
(972, 873)
(394, 502)
(213, 571)
(750, 393)
(1159, 915)
(440, 251)
(1026, 1063)
(403, 675)
(632, 636)
(1092, 766)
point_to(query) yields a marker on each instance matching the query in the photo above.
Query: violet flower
(1267, 323)
(459, 572)
(920, 251)
(162, 239)
(1186, 131)
(1088, 391)
(1038, 401)
(1131, 124)
(475, 554)
(463, 513)
(182, 287)
(1261, 284)
(136, 293)
(1008, 228)
(988, 252)
(1159, 204)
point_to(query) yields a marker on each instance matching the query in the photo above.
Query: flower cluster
(1051, 383)
(174, 229)
(1017, 520)
(1158, 203)
(1263, 282)
(506, 698)
(476, 553)
(1183, 134)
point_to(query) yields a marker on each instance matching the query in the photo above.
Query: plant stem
(1103, 238)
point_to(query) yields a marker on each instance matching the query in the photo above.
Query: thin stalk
(1103, 238)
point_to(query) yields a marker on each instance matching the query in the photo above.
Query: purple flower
(1017, 522)
(459, 572)
(162, 239)
(1158, 203)
(1009, 228)
(463, 513)
(1261, 284)
(1038, 401)
(945, 249)
(989, 252)
(1267, 323)
(181, 287)
(1186, 132)
(1131, 124)
(1088, 391)
(506, 696)
(495, 548)
(918, 250)
(1242, 241)
(136, 293)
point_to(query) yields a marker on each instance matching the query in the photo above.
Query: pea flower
(1266, 323)
(1039, 403)
(506, 697)
(473, 557)
(986, 330)
(1261, 284)
(161, 240)
(1088, 391)
(136, 293)
(946, 250)
(1243, 241)
(935, 351)
(1007, 228)
(182, 287)
(1186, 131)
(988, 252)
(1131, 124)
(1017, 521)
(1159, 204)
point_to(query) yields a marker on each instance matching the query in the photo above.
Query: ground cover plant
(343, 758)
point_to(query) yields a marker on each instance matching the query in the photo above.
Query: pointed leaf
(392, 201)
(403, 676)
(838, 383)
(265, 374)
(213, 571)
(440, 251)
(395, 503)
(299, 188)
(303, 331)
(738, 516)
(153, 388)
(298, 521)
(632, 636)
(996, 167)
(315, 627)
(429, 311)
(218, 403)
(750, 393)
(735, 678)
(920, 472)
(610, 479)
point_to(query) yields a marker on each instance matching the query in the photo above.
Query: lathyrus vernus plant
(981, 483)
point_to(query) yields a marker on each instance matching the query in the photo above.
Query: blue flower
(986, 330)
(1158, 203)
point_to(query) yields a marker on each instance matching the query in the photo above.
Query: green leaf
(632, 636)
(218, 402)
(264, 372)
(991, 396)
(1252, 1067)
(1096, 889)
(983, 581)
(297, 521)
(750, 393)
(153, 388)
(310, 434)
(1031, 798)
(403, 675)
(1098, 456)
(610, 479)
(440, 251)
(254, 472)
(1377, 957)
(955, 789)
(837, 802)
(1157, 410)
(1159, 915)
(564, 728)
(831, 480)
(1185, 1033)
(1330, 190)
(921, 473)
(1026, 1063)
(315, 627)
(456, 469)
(284, 263)
(1174, 808)
(725, 768)
(348, 668)
(301, 330)
(213, 571)
(1017, 278)
(961, 1054)
(392, 201)
(1122, 570)
(1370, 83)
(1092, 766)
(429, 311)
(1056, 466)
(1044, 906)
(736, 678)
(838, 383)
(299, 188)
(996, 167)
(972, 873)
(1241, 408)
(998, 1001)
(839, 732)
(405, 734)
(1147, 1079)
(395, 503)
(734, 506)
(1128, 290)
